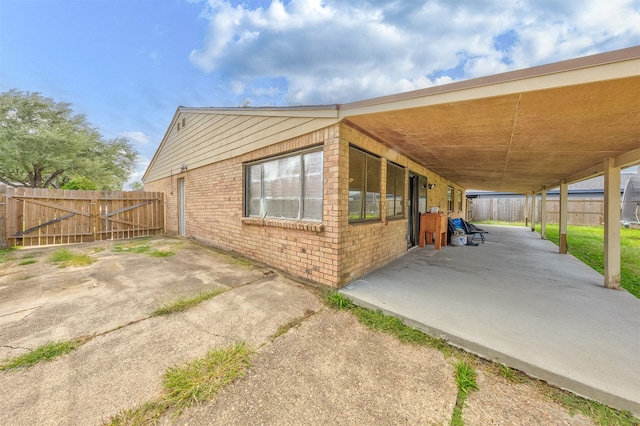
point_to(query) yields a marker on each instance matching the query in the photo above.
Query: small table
(433, 223)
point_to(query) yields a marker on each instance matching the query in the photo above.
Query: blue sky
(128, 64)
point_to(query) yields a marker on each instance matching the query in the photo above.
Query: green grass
(134, 247)
(377, 320)
(7, 255)
(139, 247)
(142, 414)
(202, 379)
(185, 303)
(46, 352)
(64, 258)
(191, 383)
(466, 382)
(160, 253)
(27, 262)
(587, 244)
(599, 413)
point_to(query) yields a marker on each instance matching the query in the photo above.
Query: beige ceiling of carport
(518, 131)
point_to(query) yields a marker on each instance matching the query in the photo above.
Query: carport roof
(519, 131)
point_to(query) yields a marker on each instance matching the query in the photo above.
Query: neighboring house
(292, 188)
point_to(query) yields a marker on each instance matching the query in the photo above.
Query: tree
(43, 144)
(136, 186)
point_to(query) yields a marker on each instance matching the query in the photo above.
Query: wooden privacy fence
(580, 211)
(34, 216)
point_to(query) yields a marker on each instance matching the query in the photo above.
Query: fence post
(95, 222)
(3, 216)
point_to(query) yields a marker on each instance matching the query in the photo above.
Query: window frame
(365, 185)
(247, 196)
(450, 199)
(459, 200)
(396, 169)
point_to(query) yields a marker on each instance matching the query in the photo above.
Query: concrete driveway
(328, 370)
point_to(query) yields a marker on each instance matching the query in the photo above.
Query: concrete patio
(515, 300)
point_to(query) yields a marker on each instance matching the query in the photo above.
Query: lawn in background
(587, 244)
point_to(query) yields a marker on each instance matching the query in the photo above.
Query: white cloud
(333, 51)
(136, 137)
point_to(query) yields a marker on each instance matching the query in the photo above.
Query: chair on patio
(469, 229)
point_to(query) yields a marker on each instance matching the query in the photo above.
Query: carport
(524, 131)
(514, 300)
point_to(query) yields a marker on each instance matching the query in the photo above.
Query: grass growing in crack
(188, 384)
(46, 352)
(291, 324)
(202, 379)
(599, 413)
(185, 303)
(27, 262)
(377, 320)
(64, 258)
(513, 376)
(143, 414)
(466, 382)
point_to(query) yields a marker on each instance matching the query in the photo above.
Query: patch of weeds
(143, 414)
(185, 303)
(7, 255)
(188, 384)
(131, 248)
(513, 376)
(161, 253)
(466, 382)
(338, 300)
(98, 249)
(27, 262)
(596, 411)
(64, 258)
(46, 352)
(202, 379)
(291, 324)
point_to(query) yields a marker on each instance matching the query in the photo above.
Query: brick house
(329, 193)
(295, 189)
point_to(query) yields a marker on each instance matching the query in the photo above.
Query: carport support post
(611, 224)
(533, 211)
(526, 209)
(564, 205)
(543, 214)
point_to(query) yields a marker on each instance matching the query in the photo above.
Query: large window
(286, 187)
(364, 185)
(450, 198)
(395, 190)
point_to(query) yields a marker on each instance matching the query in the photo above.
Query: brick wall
(366, 246)
(334, 252)
(214, 208)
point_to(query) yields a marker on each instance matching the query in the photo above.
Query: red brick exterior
(333, 252)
